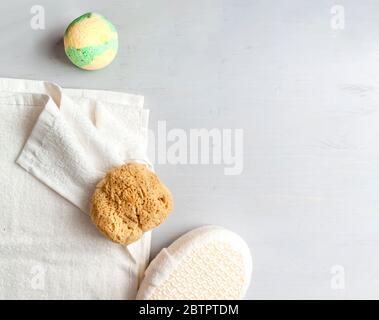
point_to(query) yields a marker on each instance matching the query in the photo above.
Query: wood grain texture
(305, 95)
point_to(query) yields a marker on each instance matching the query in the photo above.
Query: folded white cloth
(48, 248)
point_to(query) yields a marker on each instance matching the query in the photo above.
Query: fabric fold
(64, 138)
(72, 146)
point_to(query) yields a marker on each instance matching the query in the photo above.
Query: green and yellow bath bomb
(91, 41)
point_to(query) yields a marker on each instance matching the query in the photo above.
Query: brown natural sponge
(129, 201)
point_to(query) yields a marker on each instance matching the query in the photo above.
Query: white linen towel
(78, 136)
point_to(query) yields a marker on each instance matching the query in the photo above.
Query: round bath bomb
(129, 201)
(91, 41)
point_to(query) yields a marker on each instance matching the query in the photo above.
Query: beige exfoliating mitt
(208, 263)
(129, 201)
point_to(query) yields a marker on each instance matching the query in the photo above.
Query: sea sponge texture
(91, 41)
(129, 201)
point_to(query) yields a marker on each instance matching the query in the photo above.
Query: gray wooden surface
(304, 91)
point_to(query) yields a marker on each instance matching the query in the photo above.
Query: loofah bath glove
(208, 263)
